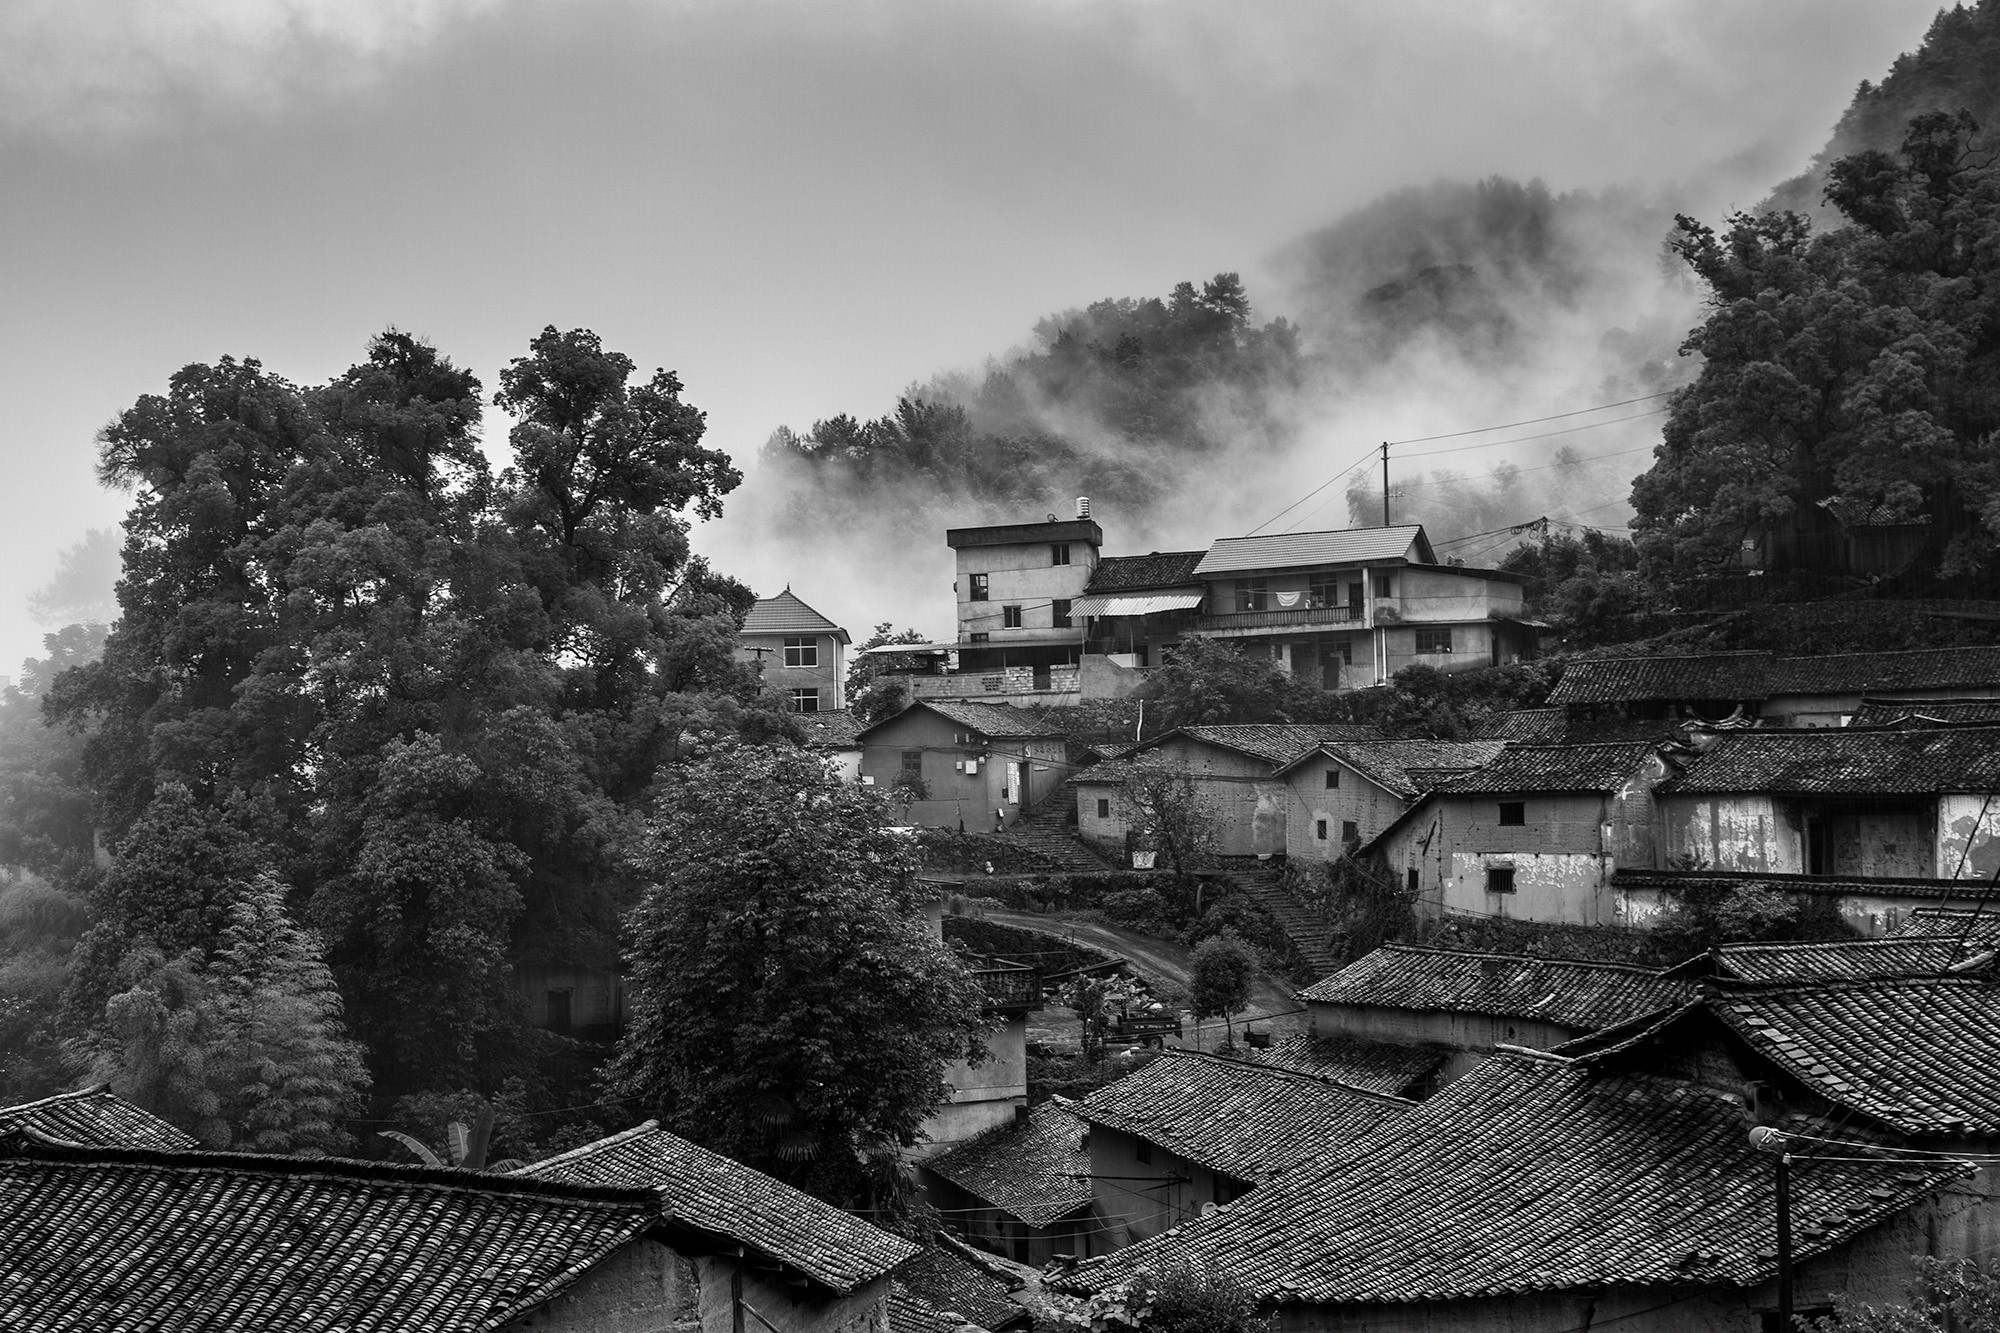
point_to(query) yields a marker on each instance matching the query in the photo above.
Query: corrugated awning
(1136, 603)
(912, 648)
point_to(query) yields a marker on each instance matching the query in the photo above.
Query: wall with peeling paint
(1729, 833)
(1562, 855)
(1357, 800)
(1896, 838)
(1968, 836)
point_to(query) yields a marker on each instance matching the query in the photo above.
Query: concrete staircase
(1041, 830)
(1306, 927)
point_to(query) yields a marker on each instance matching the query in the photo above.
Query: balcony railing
(1008, 985)
(1002, 680)
(1277, 618)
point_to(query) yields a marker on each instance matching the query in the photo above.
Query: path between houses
(1271, 997)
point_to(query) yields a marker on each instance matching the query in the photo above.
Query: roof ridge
(1636, 969)
(592, 1148)
(74, 1095)
(1306, 1075)
(46, 1147)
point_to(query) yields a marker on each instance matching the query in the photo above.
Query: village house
(950, 1284)
(758, 1246)
(1820, 691)
(1408, 1071)
(1350, 608)
(1340, 794)
(1924, 712)
(1021, 1189)
(1855, 802)
(1233, 768)
(1135, 609)
(95, 1115)
(801, 653)
(966, 765)
(1458, 1007)
(1910, 955)
(1539, 1194)
(1533, 836)
(1188, 1131)
(574, 1000)
(994, 1091)
(1868, 907)
(835, 736)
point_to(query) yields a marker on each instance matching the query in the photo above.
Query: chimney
(1083, 506)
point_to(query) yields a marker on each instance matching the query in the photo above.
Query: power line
(1536, 421)
(1311, 493)
(1545, 435)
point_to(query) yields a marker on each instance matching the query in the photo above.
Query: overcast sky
(800, 207)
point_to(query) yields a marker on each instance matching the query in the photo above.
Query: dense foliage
(792, 1008)
(384, 702)
(1946, 1296)
(1848, 378)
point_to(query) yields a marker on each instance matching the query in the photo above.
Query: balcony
(1303, 617)
(998, 683)
(1008, 986)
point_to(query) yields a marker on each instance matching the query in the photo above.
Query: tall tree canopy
(1848, 377)
(430, 699)
(791, 1006)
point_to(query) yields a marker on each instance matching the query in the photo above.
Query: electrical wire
(1536, 421)
(1367, 457)
(1544, 435)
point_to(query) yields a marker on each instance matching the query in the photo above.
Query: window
(1356, 596)
(1385, 585)
(978, 593)
(1499, 879)
(913, 763)
(1319, 829)
(1350, 832)
(1042, 678)
(977, 636)
(1059, 553)
(1142, 1151)
(1104, 807)
(1332, 778)
(1513, 812)
(1433, 641)
(1255, 594)
(1323, 589)
(1059, 610)
(1010, 617)
(802, 652)
(1412, 881)
(805, 701)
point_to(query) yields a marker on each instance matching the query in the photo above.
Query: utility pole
(1770, 1140)
(1385, 483)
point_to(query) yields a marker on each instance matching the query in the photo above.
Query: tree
(1946, 1296)
(1210, 681)
(1846, 377)
(80, 592)
(790, 1008)
(1170, 811)
(1221, 976)
(872, 693)
(1177, 1299)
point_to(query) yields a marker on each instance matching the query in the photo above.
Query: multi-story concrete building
(1015, 586)
(800, 651)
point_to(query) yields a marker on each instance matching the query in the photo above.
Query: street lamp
(1766, 1139)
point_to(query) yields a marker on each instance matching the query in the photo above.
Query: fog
(804, 209)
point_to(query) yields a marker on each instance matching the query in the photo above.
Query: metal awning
(1136, 603)
(912, 648)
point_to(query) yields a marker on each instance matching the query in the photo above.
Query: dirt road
(1272, 1007)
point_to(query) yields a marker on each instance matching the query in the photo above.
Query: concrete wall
(828, 677)
(1968, 836)
(1471, 648)
(982, 1095)
(1107, 830)
(1730, 833)
(1138, 1200)
(1235, 788)
(642, 1288)
(1561, 858)
(954, 793)
(1834, 710)
(1358, 800)
(1012, 684)
(1767, 834)
(1432, 595)
(1101, 678)
(866, 1311)
(596, 999)
(1870, 915)
(1020, 575)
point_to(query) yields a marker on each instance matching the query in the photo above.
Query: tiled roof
(1034, 1171)
(830, 729)
(1249, 1121)
(1919, 956)
(786, 614)
(1161, 569)
(950, 1284)
(1530, 1175)
(1407, 768)
(1909, 712)
(1645, 679)
(1840, 761)
(1274, 742)
(911, 1313)
(712, 1193)
(1522, 769)
(1982, 926)
(1378, 1066)
(999, 721)
(1554, 726)
(1921, 1055)
(130, 1238)
(1931, 890)
(1871, 673)
(95, 1115)
(1556, 990)
(1281, 550)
